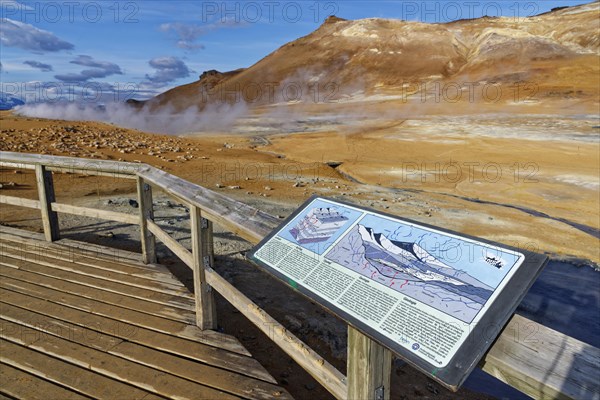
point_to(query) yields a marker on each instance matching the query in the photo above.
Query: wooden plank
(144, 193)
(96, 213)
(114, 276)
(221, 357)
(125, 315)
(241, 219)
(9, 159)
(45, 188)
(369, 368)
(74, 256)
(184, 254)
(179, 303)
(48, 327)
(315, 365)
(544, 363)
(22, 385)
(89, 249)
(202, 248)
(20, 202)
(45, 328)
(117, 368)
(73, 377)
(99, 294)
(217, 378)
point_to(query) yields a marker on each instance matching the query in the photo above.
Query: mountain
(388, 262)
(8, 101)
(558, 51)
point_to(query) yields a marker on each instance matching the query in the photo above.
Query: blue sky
(140, 48)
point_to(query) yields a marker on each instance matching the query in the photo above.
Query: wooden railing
(535, 359)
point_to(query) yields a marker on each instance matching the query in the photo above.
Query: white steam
(214, 117)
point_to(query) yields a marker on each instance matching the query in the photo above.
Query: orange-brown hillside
(558, 52)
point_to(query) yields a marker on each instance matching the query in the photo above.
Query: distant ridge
(559, 49)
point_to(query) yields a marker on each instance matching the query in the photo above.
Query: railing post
(144, 192)
(45, 186)
(202, 250)
(369, 368)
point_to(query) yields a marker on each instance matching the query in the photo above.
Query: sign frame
(478, 340)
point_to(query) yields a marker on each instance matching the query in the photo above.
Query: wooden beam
(544, 363)
(202, 251)
(92, 172)
(325, 373)
(21, 160)
(144, 192)
(369, 368)
(15, 165)
(21, 202)
(45, 188)
(95, 213)
(184, 254)
(241, 219)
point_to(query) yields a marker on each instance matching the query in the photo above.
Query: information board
(436, 298)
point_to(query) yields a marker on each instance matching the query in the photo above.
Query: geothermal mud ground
(528, 180)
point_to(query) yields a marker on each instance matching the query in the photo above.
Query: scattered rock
(133, 203)
(268, 188)
(310, 386)
(219, 186)
(234, 187)
(432, 388)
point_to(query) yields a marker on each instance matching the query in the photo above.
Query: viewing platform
(81, 321)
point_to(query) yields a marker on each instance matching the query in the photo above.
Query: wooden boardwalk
(81, 321)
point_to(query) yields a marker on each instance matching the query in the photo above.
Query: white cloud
(38, 65)
(186, 35)
(168, 69)
(99, 69)
(28, 37)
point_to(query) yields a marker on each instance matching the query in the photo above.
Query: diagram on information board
(318, 227)
(395, 255)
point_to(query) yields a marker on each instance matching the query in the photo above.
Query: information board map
(420, 290)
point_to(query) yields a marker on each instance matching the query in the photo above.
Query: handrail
(537, 360)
